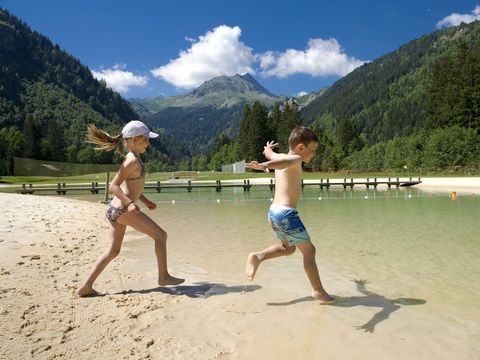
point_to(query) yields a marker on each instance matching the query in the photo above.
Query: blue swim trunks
(287, 224)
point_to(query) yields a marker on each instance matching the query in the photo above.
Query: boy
(282, 214)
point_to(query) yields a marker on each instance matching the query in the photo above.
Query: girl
(127, 188)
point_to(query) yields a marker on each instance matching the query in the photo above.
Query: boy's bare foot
(253, 261)
(170, 280)
(86, 291)
(323, 297)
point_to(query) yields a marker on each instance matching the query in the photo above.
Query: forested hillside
(417, 107)
(383, 114)
(388, 97)
(47, 98)
(214, 107)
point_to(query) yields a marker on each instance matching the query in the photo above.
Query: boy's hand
(270, 145)
(268, 149)
(255, 165)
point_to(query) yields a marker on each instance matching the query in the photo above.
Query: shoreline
(429, 184)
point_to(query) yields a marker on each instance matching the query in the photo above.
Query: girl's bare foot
(323, 297)
(170, 280)
(253, 261)
(86, 290)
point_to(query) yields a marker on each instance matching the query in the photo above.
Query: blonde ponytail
(105, 141)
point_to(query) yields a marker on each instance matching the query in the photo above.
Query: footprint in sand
(32, 257)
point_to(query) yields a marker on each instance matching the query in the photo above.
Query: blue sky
(147, 48)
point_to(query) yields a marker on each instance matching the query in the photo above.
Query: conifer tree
(243, 134)
(257, 131)
(288, 120)
(30, 136)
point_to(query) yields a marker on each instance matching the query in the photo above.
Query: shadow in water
(202, 289)
(371, 299)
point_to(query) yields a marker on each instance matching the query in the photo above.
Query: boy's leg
(144, 224)
(310, 266)
(115, 235)
(254, 259)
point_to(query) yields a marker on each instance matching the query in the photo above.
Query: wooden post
(107, 186)
(272, 185)
(158, 188)
(189, 188)
(219, 186)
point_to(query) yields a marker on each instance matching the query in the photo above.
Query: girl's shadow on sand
(371, 299)
(202, 289)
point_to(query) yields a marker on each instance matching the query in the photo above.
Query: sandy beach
(47, 244)
(448, 184)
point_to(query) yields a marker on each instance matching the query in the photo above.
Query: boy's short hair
(301, 135)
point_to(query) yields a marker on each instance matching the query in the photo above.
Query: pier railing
(218, 185)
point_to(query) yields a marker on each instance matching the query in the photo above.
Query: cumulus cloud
(218, 52)
(456, 19)
(321, 58)
(302, 93)
(119, 79)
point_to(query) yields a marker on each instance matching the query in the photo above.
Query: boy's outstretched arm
(280, 162)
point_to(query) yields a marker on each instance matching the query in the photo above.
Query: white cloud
(119, 79)
(321, 58)
(302, 93)
(456, 19)
(218, 52)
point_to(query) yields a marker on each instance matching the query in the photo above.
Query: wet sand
(47, 244)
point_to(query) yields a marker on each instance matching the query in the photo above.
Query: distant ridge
(387, 97)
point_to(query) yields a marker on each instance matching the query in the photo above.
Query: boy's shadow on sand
(201, 289)
(371, 299)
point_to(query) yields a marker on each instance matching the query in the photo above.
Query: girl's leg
(144, 224)
(254, 259)
(115, 235)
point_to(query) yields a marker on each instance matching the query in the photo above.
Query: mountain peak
(219, 92)
(236, 85)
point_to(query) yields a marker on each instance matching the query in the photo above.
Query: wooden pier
(218, 185)
(60, 189)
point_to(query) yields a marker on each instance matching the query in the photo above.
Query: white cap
(137, 128)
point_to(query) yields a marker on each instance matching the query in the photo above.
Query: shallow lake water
(403, 245)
